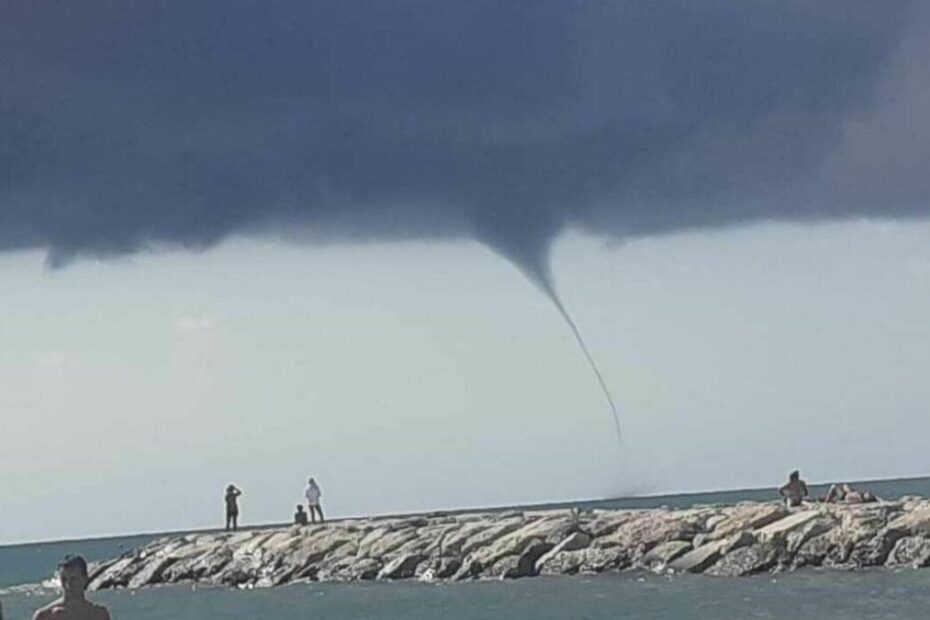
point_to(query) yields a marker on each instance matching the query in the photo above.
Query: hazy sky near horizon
(248, 242)
(434, 375)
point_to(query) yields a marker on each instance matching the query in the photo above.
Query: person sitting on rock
(795, 490)
(300, 517)
(72, 574)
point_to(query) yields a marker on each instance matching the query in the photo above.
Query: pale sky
(434, 375)
(254, 242)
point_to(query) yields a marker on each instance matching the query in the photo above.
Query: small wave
(43, 588)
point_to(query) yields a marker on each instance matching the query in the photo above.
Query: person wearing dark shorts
(232, 507)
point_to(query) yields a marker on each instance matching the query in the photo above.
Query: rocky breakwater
(716, 540)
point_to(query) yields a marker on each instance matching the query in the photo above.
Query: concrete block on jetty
(722, 541)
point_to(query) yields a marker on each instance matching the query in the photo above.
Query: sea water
(803, 594)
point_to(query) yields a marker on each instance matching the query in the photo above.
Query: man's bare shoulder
(51, 610)
(58, 610)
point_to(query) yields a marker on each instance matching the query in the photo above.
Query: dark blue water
(806, 594)
(811, 594)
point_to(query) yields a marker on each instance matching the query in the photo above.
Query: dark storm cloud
(125, 124)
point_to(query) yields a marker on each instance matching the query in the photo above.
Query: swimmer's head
(72, 574)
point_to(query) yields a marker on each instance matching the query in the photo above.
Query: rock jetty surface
(717, 540)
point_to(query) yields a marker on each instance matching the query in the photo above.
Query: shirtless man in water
(72, 573)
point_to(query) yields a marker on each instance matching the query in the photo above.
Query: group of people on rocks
(73, 575)
(312, 494)
(795, 492)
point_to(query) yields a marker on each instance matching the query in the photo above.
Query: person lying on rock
(795, 490)
(72, 574)
(300, 517)
(844, 493)
(836, 493)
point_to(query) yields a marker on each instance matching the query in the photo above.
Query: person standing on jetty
(313, 495)
(795, 490)
(232, 507)
(72, 574)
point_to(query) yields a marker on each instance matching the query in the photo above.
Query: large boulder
(913, 551)
(747, 516)
(914, 523)
(588, 560)
(874, 551)
(381, 543)
(209, 562)
(663, 553)
(487, 536)
(307, 556)
(437, 568)
(118, 574)
(549, 531)
(401, 567)
(798, 536)
(350, 569)
(641, 534)
(747, 560)
(606, 522)
(781, 528)
(152, 573)
(699, 559)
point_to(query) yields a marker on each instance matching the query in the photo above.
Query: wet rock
(118, 574)
(874, 551)
(913, 551)
(573, 542)
(403, 567)
(796, 538)
(588, 560)
(814, 551)
(152, 573)
(663, 553)
(525, 564)
(747, 560)
(350, 569)
(438, 568)
(698, 560)
(205, 564)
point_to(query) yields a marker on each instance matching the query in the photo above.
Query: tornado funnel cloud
(547, 287)
(529, 252)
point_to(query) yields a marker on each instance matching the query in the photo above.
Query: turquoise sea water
(805, 594)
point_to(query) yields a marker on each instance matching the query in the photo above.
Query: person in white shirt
(313, 496)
